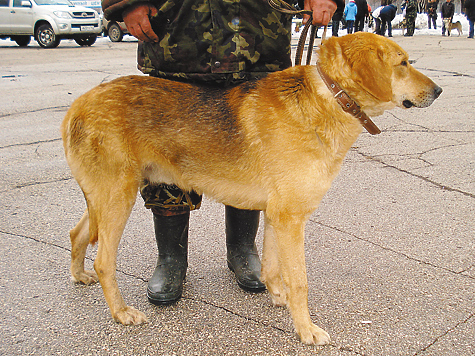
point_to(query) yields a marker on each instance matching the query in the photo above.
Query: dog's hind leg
(289, 237)
(111, 206)
(79, 241)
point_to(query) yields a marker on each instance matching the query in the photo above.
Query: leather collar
(347, 104)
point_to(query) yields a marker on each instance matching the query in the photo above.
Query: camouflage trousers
(410, 25)
(168, 200)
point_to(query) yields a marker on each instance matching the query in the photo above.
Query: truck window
(4, 2)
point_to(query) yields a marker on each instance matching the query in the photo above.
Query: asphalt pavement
(390, 251)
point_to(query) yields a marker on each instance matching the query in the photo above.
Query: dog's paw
(130, 316)
(313, 335)
(85, 277)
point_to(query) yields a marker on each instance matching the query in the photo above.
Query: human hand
(137, 20)
(323, 11)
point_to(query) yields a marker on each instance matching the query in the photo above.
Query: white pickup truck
(48, 21)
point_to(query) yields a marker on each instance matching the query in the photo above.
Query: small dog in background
(449, 25)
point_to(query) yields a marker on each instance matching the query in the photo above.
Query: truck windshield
(53, 2)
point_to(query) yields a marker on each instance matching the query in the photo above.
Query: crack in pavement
(31, 143)
(220, 307)
(24, 185)
(452, 73)
(391, 249)
(257, 321)
(237, 314)
(424, 128)
(405, 156)
(426, 179)
(443, 71)
(448, 331)
(418, 156)
(451, 329)
(19, 186)
(227, 310)
(428, 130)
(59, 108)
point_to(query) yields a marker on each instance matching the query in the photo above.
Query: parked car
(48, 21)
(115, 30)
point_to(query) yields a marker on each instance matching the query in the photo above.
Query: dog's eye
(404, 63)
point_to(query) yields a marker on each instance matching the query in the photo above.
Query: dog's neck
(347, 103)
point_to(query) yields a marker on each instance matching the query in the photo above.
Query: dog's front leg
(288, 231)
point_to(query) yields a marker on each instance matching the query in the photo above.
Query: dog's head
(376, 72)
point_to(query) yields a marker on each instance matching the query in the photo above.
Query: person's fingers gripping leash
(323, 11)
(137, 20)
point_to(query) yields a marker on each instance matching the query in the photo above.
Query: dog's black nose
(437, 91)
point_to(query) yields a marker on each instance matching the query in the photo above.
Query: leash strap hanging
(347, 104)
(286, 8)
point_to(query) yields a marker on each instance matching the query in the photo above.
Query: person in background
(369, 18)
(350, 13)
(432, 13)
(447, 13)
(411, 14)
(361, 14)
(470, 13)
(336, 19)
(220, 44)
(377, 20)
(387, 14)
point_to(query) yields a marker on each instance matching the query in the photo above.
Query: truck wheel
(115, 33)
(46, 37)
(22, 41)
(86, 40)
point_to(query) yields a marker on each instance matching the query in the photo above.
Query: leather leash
(347, 103)
(286, 8)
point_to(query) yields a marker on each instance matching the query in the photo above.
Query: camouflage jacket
(212, 40)
(411, 8)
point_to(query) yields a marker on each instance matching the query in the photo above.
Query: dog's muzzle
(424, 103)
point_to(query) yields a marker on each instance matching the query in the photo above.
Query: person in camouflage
(411, 14)
(432, 13)
(212, 42)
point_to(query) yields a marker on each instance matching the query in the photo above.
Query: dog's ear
(367, 61)
(369, 69)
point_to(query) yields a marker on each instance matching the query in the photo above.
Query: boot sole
(244, 286)
(163, 301)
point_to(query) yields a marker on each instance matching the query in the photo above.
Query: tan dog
(455, 26)
(449, 25)
(273, 145)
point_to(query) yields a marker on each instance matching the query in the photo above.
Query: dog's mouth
(424, 100)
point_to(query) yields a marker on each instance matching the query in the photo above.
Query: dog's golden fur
(274, 145)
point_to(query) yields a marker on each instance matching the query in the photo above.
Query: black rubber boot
(242, 256)
(171, 233)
